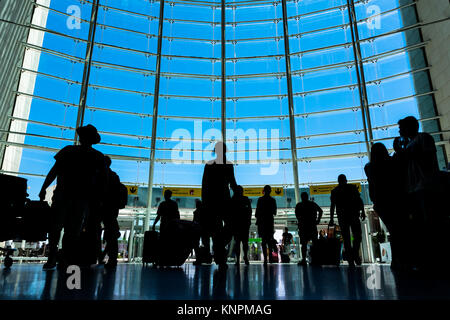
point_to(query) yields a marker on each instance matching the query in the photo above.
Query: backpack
(122, 200)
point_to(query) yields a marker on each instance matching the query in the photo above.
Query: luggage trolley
(20, 218)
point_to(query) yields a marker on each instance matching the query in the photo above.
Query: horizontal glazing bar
(234, 23)
(418, 25)
(54, 150)
(228, 140)
(71, 140)
(259, 97)
(229, 119)
(71, 128)
(231, 77)
(264, 57)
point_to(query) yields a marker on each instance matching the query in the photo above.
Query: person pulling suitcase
(308, 215)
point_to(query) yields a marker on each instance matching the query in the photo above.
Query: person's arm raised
(332, 207)
(319, 209)
(51, 176)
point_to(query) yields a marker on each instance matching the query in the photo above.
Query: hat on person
(88, 134)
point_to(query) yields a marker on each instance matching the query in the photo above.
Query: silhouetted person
(218, 177)
(80, 174)
(321, 234)
(266, 209)
(418, 150)
(426, 193)
(347, 202)
(167, 212)
(240, 221)
(199, 217)
(286, 243)
(109, 214)
(308, 215)
(383, 175)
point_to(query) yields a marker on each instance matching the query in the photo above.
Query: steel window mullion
(87, 67)
(223, 65)
(155, 115)
(287, 59)
(361, 84)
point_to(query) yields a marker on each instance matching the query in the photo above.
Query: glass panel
(328, 122)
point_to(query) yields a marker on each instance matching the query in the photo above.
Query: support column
(87, 66)
(287, 58)
(224, 68)
(155, 116)
(131, 241)
(359, 66)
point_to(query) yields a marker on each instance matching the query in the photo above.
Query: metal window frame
(87, 67)
(293, 140)
(362, 90)
(155, 116)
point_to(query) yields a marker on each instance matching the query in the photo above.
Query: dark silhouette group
(410, 194)
(407, 189)
(87, 193)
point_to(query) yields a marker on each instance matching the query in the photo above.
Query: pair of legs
(54, 235)
(221, 235)
(306, 233)
(266, 231)
(111, 234)
(206, 243)
(241, 237)
(266, 247)
(395, 220)
(70, 215)
(352, 224)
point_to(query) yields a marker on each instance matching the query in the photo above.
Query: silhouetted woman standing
(383, 176)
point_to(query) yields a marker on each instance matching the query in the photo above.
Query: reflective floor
(288, 281)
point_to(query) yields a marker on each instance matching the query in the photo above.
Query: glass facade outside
(247, 87)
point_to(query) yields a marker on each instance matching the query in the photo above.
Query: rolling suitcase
(326, 251)
(285, 258)
(177, 242)
(151, 245)
(35, 223)
(203, 255)
(174, 246)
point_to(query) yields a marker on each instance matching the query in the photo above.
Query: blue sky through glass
(120, 97)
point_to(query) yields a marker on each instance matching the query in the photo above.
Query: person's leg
(54, 236)
(303, 245)
(237, 248)
(304, 249)
(112, 242)
(218, 243)
(345, 231)
(91, 237)
(244, 240)
(357, 238)
(264, 250)
(75, 214)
